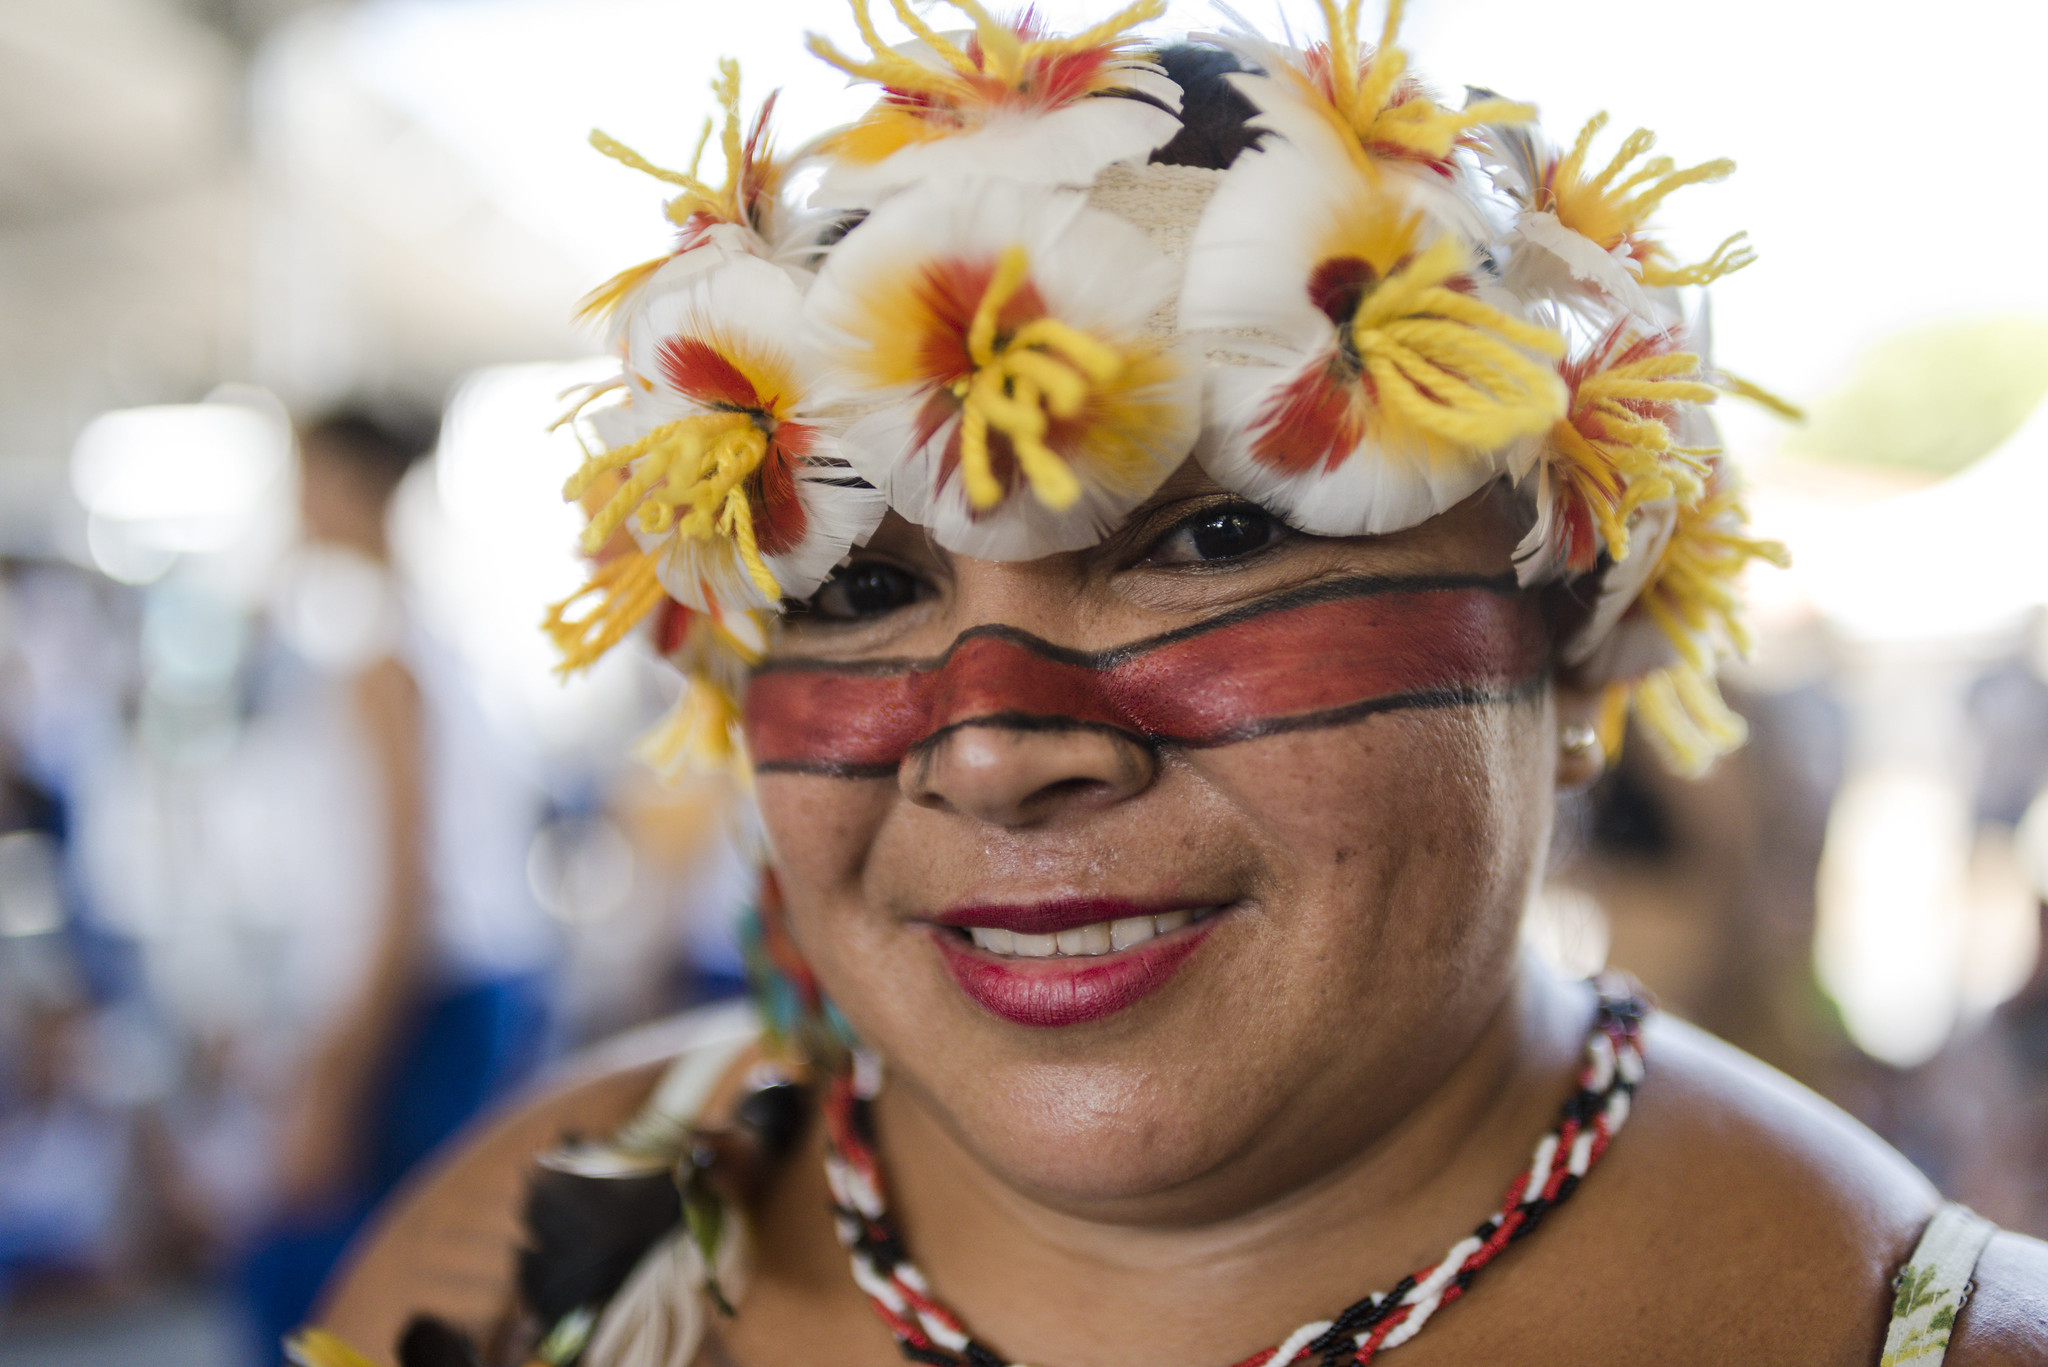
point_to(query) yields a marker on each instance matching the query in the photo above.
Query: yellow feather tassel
(1045, 369)
(626, 590)
(725, 202)
(318, 1348)
(1757, 394)
(1448, 367)
(1366, 92)
(1620, 460)
(692, 479)
(1612, 212)
(701, 734)
(959, 82)
(1692, 599)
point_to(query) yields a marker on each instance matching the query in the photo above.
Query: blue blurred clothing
(469, 1046)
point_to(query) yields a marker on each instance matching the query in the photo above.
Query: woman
(1159, 537)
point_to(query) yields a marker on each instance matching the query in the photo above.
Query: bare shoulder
(1714, 1106)
(446, 1243)
(2005, 1323)
(1752, 1204)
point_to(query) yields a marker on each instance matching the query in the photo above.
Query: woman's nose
(1017, 776)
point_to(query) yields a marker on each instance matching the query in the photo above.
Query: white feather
(658, 1317)
(1549, 261)
(1538, 556)
(1612, 644)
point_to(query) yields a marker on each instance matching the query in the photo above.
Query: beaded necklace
(928, 1332)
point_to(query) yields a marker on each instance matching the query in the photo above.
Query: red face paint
(1324, 655)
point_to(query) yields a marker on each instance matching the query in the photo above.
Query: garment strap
(1933, 1287)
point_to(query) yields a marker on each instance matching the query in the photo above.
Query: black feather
(431, 1342)
(775, 1115)
(1213, 115)
(585, 1234)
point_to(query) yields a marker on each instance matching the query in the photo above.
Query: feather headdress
(993, 317)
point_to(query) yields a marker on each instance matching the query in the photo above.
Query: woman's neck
(1078, 1287)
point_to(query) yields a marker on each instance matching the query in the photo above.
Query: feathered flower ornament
(1584, 236)
(739, 215)
(1388, 377)
(1365, 102)
(995, 334)
(1691, 600)
(1007, 96)
(719, 465)
(1615, 451)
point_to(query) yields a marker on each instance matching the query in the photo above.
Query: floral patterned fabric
(1933, 1287)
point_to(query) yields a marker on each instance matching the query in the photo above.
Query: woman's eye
(866, 588)
(1219, 533)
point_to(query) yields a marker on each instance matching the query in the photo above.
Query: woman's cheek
(820, 830)
(1405, 834)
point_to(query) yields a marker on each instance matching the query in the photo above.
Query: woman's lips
(1065, 990)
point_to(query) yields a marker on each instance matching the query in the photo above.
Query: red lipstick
(1062, 991)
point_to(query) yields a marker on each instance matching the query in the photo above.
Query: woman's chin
(1108, 1139)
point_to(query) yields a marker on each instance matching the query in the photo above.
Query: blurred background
(306, 857)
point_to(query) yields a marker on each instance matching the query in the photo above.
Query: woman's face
(1181, 864)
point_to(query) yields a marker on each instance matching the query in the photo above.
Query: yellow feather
(1612, 213)
(626, 590)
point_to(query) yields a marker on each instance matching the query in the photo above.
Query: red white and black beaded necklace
(927, 1332)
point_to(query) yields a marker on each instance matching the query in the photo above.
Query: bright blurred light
(179, 478)
(2002, 936)
(335, 606)
(121, 555)
(172, 462)
(1893, 910)
(1957, 559)
(1569, 929)
(490, 542)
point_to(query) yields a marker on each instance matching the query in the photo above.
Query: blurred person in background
(445, 1004)
(64, 1149)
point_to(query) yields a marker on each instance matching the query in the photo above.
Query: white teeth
(994, 941)
(1132, 930)
(1084, 940)
(1103, 937)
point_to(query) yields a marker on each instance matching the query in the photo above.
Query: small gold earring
(1576, 742)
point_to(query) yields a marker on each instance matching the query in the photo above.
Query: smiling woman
(1171, 522)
